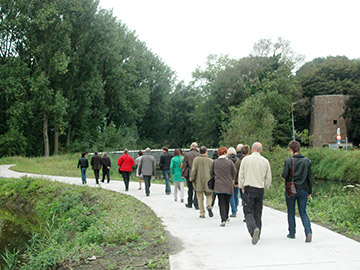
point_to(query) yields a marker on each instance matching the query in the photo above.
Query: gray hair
(256, 147)
(193, 145)
(126, 151)
(203, 150)
(147, 149)
(239, 147)
(231, 151)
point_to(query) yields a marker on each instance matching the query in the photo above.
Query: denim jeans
(83, 175)
(301, 197)
(147, 180)
(234, 201)
(166, 174)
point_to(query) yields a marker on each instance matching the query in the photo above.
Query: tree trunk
(68, 139)
(56, 140)
(46, 136)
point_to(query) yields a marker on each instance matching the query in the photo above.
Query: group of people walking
(231, 171)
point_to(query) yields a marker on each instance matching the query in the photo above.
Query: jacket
(224, 172)
(83, 163)
(96, 162)
(237, 166)
(200, 173)
(303, 178)
(187, 163)
(175, 169)
(106, 162)
(147, 166)
(165, 160)
(126, 162)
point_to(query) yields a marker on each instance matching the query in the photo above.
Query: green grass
(80, 222)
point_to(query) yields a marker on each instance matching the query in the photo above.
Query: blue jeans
(301, 197)
(166, 174)
(83, 175)
(234, 201)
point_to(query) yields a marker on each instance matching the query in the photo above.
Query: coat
(96, 162)
(200, 173)
(126, 162)
(147, 166)
(187, 163)
(175, 169)
(83, 163)
(165, 160)
(106, 162)
(224, 171)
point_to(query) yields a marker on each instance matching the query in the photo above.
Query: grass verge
(80, 223)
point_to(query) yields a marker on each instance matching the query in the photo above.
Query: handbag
(211, 183)
(290, 187)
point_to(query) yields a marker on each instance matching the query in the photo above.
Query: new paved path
(203, 244)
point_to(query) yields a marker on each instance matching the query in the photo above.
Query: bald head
(194, 145)
(239, 147)
(257, 147)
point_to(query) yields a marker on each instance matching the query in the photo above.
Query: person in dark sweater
(96, 163)
(297, 168)
(106, 163)
(83, 164)
(164, 165)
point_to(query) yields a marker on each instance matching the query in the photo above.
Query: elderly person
(234, 200)
(125, 163)
(147, 168)
(200, 175)
(239, 152)
(254, 177)
(223, 170)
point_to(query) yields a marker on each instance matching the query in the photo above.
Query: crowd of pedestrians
(232, 170)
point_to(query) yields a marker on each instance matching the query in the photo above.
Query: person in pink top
(125, 163)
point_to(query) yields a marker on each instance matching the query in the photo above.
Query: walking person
(164, 166)
(245, 152)
(83, 164)
(239, 152)
(254, 177)
(147, 169)
(96, 163)
(175, 169)
(234, 200)
(106, 165)
(200, 175)
(137, 162)
(224, 172)
(125, 163)
(186, 171)
(297, 168)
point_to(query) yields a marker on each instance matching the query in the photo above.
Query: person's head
(239, 147)
(104, 154)
(215, 153)
(222, 151)
(194, 145)
(126, 151)
(147, 150)
(177, 152)
(203, 150)
(140, 153)
(245, 150)
(256, 147)
(231, 151)
(294, 147)
(96, 153)
(83, 154)
(165, 149)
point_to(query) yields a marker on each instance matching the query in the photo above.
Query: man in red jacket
(126, 162)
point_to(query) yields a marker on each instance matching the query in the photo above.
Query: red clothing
(126, 162)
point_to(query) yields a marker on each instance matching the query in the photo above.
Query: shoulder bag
(211, 182)
(290, 187)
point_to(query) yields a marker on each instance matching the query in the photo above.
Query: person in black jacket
(106, 162)
(96, 163)
(164, 165)
(83, 164)
(301, 174)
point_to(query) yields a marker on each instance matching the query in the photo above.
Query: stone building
(326, 118)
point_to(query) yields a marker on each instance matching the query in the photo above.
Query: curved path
(203, 244)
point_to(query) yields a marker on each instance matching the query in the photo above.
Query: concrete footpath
(203, 244)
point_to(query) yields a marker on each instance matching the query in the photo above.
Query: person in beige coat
(200, 175)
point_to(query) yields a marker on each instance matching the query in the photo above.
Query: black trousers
(224, 204)
(192, 198)
(96, 173)
(126, 178)
(147, 180)
(106, 172)
(253, 205)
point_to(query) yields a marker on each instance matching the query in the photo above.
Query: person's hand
(243, 190)
(108, 168)
(309, 196)
(236, 185)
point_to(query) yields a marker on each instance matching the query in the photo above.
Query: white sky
(184, 32)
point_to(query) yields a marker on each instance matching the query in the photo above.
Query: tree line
(74, 78)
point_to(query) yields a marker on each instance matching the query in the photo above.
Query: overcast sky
(183, 33)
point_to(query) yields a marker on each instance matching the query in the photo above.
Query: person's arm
(193, 171)
(310, 179)
(267, 181)
(109, 163)
(140, 166)
(286, 170)
(172, 166)
(87, 163)
(161, 162)
(78, 164)
(241, 179)
(185, 166)
(154, 167)
(92, 162)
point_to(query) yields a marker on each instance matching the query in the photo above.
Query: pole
(292, 120)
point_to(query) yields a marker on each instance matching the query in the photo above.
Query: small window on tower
(335, 122)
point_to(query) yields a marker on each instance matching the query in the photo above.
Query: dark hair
(83, 154)
(140, 153)
(294, 146)
(203, 150)
(177, 152)
(222, 151)
(165, 149)
(245, 149)
(96, 153)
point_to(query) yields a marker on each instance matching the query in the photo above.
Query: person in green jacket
(175, 169)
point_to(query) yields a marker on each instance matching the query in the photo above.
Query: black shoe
(291, 236)
(126, 189)
(196, 207)
(211, 214)
(168, 193)
(308, 238)
(188, 205)
(102, 181)
(255, 236)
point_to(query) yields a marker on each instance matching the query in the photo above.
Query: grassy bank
(80, 222)
(333, 204)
